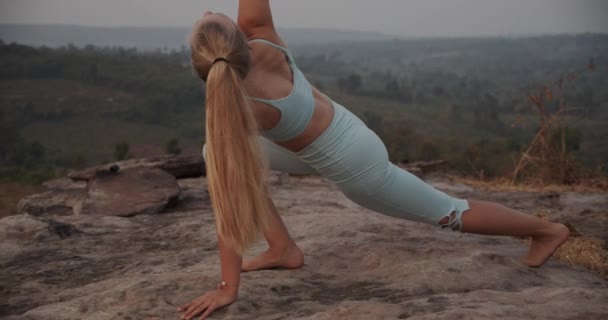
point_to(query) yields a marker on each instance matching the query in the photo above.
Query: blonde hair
(235, 165)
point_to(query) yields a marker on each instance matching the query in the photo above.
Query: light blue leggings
(356, 160)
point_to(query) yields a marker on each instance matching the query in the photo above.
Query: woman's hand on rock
(208, 302)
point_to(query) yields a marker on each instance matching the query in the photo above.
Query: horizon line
(388, 35)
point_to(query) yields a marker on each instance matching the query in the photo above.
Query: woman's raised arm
(255, 17)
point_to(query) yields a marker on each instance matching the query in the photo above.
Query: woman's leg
(404, 195)
(485, 217)
(282, 251)
(357, 161)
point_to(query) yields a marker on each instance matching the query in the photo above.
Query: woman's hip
(347, 151)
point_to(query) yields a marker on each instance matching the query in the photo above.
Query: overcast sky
(400, 17)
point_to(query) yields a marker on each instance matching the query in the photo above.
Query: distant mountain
(152, 38)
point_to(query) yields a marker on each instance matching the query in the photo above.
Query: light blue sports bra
(296, 108)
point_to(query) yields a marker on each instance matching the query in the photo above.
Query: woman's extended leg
(282, 251)
(356, 159)
(485, 217)
(404, 195)
(398, 193)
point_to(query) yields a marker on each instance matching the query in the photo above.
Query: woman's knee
(453, 220)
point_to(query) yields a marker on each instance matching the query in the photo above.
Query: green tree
(172, 146)
(392, 86)
(35, 155)
(350, 83)
(428, 151)
(374, 121)
(121, 150)
(485, 113)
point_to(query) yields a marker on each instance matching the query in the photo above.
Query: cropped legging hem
(353, 157)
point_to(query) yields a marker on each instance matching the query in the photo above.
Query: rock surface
(52, 202)
(59, 199)
(358, 264)
(180, 166)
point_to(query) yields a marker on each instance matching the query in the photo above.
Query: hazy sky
(402, 17)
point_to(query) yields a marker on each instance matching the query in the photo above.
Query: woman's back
(296, 107)
(290, 111)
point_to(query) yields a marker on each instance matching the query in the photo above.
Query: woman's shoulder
(267, 35)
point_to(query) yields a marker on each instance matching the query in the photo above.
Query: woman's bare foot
(290, 257)
(544, 245)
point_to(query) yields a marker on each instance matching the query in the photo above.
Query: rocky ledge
(136, 242)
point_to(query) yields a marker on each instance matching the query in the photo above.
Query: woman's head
(215, 35)
(235, 166)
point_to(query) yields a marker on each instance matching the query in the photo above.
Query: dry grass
(585, 251)
(505, 184)
(581, 250)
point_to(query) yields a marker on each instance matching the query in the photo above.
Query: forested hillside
(464, 100)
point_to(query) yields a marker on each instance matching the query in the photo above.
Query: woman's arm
(255, 20)
(223, 295)
(231, 267)
(255, 15)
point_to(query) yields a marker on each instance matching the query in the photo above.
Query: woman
(259, 108)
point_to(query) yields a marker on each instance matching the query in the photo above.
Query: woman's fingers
(208, 311)
(206, 304)
(193, 305)
(184, 306)
(202, 306)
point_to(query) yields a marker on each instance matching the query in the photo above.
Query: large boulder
(142, 190)
(125, 188)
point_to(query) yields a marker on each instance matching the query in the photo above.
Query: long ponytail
(235, 166)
